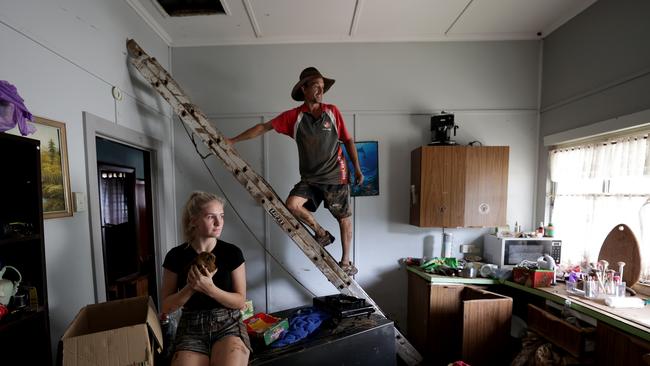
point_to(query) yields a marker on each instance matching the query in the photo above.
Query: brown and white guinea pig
(207, 260)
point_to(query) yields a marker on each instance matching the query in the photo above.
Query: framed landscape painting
(55, 176)
(368, 154)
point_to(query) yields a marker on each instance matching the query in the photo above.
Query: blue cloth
(301, 324)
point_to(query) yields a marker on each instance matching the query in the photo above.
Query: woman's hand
(199, 281)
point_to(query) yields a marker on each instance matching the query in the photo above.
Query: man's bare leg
(295, 205)
(345, 224)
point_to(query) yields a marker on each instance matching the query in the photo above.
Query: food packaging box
(533, 278)
(119, 332)
(247, 310)
(268, 328)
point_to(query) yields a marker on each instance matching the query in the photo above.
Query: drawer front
(567, 336)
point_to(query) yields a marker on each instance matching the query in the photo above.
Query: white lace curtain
(625, 157)
(115, 209)
(583, 217)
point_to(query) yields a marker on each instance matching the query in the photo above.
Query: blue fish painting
(369, 162)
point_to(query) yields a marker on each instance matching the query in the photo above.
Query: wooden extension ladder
(258, 188)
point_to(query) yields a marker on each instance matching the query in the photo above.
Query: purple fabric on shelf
(13, 111)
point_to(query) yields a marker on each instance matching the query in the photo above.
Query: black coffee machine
(441, 126)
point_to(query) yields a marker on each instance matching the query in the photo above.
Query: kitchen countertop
(633, 321)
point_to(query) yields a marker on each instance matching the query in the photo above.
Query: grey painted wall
(595, 68)
(64, 57)
(387, 92)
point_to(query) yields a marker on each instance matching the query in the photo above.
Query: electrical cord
(259, 242)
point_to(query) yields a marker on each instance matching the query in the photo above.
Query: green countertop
(633, 321)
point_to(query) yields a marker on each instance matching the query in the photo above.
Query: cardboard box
(266, 327)
(533, 278)
(120, 332)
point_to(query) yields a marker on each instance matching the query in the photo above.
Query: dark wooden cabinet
(459, 186)
(450, 322)
(615, 347)
(25, 331)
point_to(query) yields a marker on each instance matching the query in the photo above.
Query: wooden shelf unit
(25, 331)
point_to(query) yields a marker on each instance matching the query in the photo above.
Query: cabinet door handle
(414, 196)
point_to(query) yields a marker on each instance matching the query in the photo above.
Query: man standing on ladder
(318, 130)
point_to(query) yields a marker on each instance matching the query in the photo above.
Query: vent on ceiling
(183, 8)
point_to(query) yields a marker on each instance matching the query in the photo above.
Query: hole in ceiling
(183, 8)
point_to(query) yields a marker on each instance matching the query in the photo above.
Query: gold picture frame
(55, 174)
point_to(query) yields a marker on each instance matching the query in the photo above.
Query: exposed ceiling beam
(251, 17)
(459, 15)
(355, 18)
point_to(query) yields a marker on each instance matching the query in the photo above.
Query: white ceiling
(309, 21)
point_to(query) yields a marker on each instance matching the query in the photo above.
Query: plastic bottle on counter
(447, 240)
(549, 231)
(540, 230)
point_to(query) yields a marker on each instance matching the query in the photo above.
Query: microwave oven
(508, 252)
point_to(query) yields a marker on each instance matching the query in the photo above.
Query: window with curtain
(112, 190)
(596, 186)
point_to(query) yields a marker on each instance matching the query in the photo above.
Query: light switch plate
(79, 201)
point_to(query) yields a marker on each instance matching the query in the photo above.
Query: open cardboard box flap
(114, 332)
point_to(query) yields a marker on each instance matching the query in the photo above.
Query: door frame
(94, 127)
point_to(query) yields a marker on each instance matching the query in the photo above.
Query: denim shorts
(198, 330)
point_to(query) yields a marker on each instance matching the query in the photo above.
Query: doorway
(160, 199)
(124, 181)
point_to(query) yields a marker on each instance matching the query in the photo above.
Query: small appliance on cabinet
(508, 252)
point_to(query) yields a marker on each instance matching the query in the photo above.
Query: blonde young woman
(210, 331)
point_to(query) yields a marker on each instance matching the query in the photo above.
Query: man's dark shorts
(335, 196)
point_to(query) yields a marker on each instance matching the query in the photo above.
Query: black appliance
(343, 306)
(441, 126)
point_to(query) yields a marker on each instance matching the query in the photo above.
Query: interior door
(117, 190)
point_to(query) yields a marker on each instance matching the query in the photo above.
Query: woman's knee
(229, 350)
(189, 358)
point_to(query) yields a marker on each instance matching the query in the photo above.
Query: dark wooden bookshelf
(25, 330)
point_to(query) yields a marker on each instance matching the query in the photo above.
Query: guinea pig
(207, 260)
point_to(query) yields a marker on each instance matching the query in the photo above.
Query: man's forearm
(252, 132)
(352, 152)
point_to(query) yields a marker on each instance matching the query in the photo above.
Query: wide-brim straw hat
(305, 76)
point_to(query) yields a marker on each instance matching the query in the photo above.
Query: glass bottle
(540, 229)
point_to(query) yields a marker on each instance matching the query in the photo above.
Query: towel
(13, 111)
(624, 302)
(301, 324)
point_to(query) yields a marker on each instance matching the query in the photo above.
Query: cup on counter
(591, 289)
(468, 272)
(570, 286)
(620, 289)
(488, 270)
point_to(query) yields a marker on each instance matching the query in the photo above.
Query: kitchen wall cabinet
(459, 186)
(25, 330)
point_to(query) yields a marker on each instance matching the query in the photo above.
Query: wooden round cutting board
(621, 245)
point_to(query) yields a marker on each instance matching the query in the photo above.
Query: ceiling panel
(303, 21)
(390, 19)
(523, 18)
(234, 27)
(304, 18)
